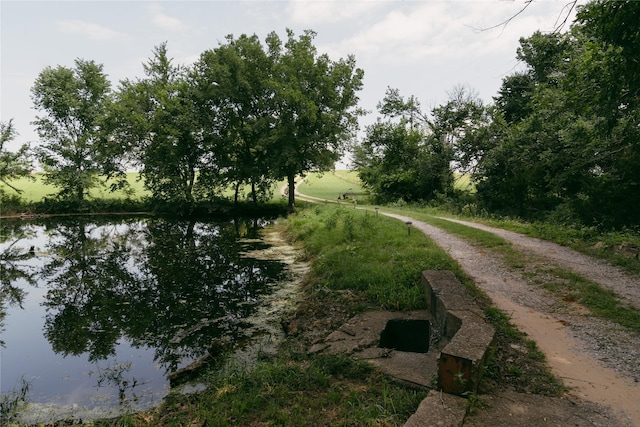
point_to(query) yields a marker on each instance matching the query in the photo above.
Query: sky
(423, 48)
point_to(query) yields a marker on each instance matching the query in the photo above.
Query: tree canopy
(13, 165)
(73, 101)
(563, 142)
(315, 102)
(244, 114)
(157, 130)
(402, 158)
(560, 141)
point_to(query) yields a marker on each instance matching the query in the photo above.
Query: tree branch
(559, 24)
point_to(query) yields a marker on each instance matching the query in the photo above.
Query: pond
(104, 316)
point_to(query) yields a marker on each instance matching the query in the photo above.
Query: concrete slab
(360, 337)
(459, 341)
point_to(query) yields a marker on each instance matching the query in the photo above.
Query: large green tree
(455, 124)
(315, 107)
(234, 99)
(73, 101)
(563, 142)
(156, 124)
(13, 164)
(401, 158)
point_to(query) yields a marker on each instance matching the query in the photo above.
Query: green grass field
(34, 190)
(329, 186)
(463, 182)
(334, 184)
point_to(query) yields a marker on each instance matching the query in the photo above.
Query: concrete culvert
(406, 335)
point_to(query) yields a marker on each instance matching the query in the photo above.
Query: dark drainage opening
(406, 335)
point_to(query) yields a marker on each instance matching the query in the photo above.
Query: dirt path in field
(598, 360)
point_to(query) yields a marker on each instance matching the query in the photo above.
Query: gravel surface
(609, 343)
(608, 276)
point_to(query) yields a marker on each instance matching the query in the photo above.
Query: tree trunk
(80, 192)
(190, 184)
(254, 196)
(291, 181)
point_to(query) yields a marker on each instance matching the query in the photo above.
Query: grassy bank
(360, 262)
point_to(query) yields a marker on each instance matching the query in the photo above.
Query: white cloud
(90, 30)
(164, 21)
(306, 12)
(405, 33)
(439, 31)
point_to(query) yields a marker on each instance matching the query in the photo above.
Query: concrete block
(458, 318)
(461, 362)
(439, 410)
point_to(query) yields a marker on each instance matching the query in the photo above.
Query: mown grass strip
(589, 240)
(474, 235)
(601, 302)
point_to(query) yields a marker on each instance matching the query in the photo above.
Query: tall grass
(371, 255)
(324, 390)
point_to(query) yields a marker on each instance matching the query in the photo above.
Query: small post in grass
(408, 228)
(376, 208)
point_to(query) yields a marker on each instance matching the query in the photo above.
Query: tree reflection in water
(180, 287)
(15, 272)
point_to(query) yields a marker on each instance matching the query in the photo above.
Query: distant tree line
(246, 114)
(561, 141)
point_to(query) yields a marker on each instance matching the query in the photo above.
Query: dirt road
(598, 360)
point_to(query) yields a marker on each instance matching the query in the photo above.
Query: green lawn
(463, 182)
(330, 185)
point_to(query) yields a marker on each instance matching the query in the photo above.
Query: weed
(474, 403)
(11, 402)
(460, 379)
(348, 226)
(331, 222)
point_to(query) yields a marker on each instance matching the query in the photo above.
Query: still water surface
(98, 315)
